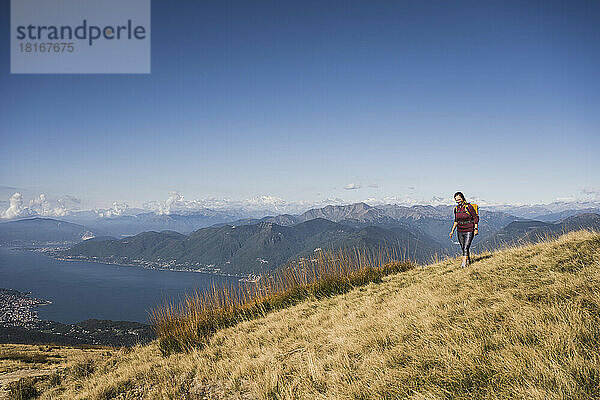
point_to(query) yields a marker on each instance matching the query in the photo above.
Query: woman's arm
(453, 228)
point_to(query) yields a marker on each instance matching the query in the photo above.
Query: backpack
(475, 207)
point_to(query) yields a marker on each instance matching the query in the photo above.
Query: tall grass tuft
(191, 323)
(23, 389)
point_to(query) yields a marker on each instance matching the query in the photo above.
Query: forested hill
(250, 248)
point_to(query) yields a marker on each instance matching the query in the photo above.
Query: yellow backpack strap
(467, 208)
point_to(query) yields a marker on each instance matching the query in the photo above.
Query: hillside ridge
(518, 323)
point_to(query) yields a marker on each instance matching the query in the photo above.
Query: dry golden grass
(523, 323)
(191, 323)
(47, 363)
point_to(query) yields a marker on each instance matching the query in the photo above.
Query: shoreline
(150, 265)
(20, 323)
(19, 309)
(241, 277)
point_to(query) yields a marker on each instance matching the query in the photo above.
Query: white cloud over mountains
(16, 208)
(118, 209)
(258, 206)
(408, 201)
(39, 206)
(43, 206)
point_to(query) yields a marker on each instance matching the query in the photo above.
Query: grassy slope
(44, 362)
(521, 323)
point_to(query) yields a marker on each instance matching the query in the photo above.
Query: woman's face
(458, 199)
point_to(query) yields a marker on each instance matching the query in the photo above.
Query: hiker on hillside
(466, 218)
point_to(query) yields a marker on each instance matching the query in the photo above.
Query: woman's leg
(462, 239)
(468, 239)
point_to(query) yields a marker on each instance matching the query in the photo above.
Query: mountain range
(127, 225)
(533, 231)
(45, 231)
(253, 245)
(250, 248)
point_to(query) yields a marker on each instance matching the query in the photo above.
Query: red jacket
(466, 221)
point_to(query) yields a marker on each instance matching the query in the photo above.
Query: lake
(82, 290)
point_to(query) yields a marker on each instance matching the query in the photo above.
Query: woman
(466, 218)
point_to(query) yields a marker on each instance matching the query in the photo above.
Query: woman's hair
(462, 196)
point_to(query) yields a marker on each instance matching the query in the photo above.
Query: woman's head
(459, 197)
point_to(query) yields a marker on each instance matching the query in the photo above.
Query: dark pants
(465, 239)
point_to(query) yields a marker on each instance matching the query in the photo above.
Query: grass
(27, 370)
(191, 323)
(14, 357)
(521, 323)
(83, 366)
(29, 358)
(23, 389)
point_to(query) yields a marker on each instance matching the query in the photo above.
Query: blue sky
(299, 100)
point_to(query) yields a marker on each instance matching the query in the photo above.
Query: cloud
(118, 209)
(409, 201)
(176, 202)
(591, 193)
(257, 206)
(352, 186)
(16, 208)
(585, 195)
(41, 205)
(256, 203)
(61, 210)
(262, 205)
(267, 201)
